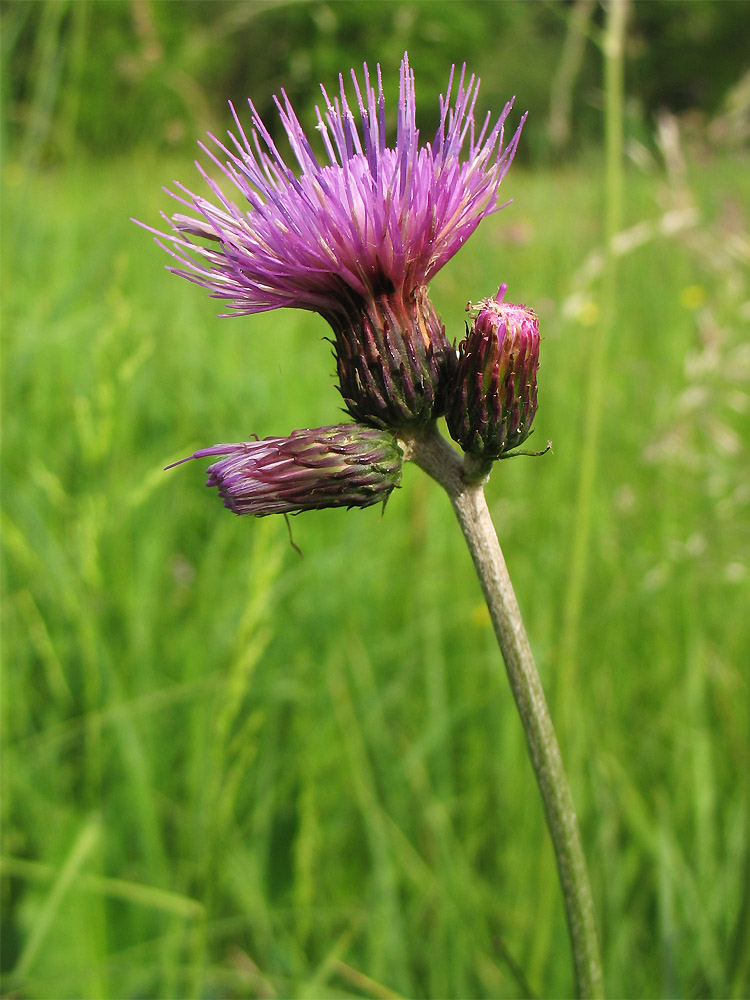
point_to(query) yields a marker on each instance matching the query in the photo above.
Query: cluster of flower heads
(356, 238)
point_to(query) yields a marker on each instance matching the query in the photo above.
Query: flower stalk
(432, 453)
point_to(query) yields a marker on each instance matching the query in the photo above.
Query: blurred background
(229, 771)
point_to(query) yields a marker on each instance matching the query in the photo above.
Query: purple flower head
(493, 398)
(354, 236)
(373, 215)
(347, 465)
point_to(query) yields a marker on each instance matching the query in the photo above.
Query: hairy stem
(436, 457)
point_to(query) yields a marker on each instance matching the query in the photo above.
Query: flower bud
(492, 399)
(347, 465)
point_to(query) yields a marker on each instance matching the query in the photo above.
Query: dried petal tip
(347, 465)
(493, 397)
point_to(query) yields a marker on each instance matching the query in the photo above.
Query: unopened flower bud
(492, 400)
(346, 465)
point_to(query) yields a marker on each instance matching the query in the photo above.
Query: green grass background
(232, 772)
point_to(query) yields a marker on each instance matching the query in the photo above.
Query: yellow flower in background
(589, 313)
(693, 296)
(480, 616)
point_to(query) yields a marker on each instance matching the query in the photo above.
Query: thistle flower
(493, 398)
(356, 236)
(347, 465)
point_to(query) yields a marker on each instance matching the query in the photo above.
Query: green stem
(436, 457)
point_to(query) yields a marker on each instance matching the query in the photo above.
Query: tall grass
(229, 771)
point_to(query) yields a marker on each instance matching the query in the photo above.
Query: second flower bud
(493, 396)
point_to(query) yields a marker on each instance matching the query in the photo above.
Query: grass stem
(614, 47)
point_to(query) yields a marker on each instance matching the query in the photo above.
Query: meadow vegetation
(229, 771)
